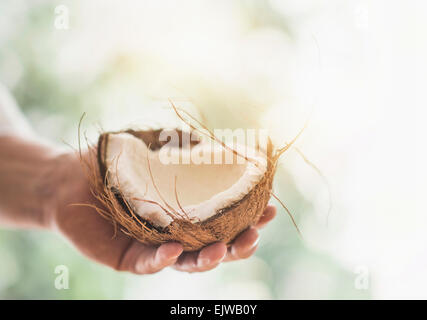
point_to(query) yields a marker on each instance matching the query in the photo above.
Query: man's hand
(39, 188)
(94, 236)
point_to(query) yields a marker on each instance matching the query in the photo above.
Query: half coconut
(193, 191)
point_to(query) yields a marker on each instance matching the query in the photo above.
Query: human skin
(39, 184)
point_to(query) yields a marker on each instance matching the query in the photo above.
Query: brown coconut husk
(224, 226)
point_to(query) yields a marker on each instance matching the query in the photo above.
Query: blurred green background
(239, 63)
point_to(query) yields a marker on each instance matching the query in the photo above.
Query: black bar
(212, 309)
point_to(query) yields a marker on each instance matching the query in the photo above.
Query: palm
(94, 236)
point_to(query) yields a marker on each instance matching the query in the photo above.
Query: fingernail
(175, 256)
(223, 257)
(255, 243)
(172, 259)
(204, 262)
(139, 267)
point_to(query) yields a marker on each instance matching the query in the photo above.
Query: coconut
(196, 204)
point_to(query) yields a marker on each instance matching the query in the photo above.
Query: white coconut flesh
(202, 189)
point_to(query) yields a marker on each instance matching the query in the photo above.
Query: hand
(93, 236)
(211, 256)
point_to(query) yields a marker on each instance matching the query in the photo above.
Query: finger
(244, 245)
(156, 260)
(186, 262)
(268, 215)
(212, 255)
(204, 260)
(143, 259)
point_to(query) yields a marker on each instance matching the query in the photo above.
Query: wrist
(46, 189)
(64, 184)
(52, 187)
(25, 174)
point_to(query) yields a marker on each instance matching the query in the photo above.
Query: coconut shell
(224, 226)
